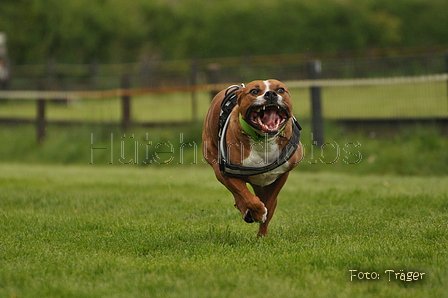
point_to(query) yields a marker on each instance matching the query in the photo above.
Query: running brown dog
(251, 136)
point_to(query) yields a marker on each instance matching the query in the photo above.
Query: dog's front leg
(250, 206)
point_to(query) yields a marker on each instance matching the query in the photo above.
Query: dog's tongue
(270, 119)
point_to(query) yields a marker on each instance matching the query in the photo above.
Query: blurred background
(373, 72)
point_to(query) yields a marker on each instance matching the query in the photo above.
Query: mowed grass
(130, 231)
(427, 99)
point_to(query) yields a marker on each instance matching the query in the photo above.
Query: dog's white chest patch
(262, 154)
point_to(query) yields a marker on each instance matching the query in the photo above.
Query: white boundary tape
(368, 81)
(33, 94)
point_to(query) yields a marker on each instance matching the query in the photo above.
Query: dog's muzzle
(270, 116)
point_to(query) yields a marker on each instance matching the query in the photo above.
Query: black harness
(233, 170)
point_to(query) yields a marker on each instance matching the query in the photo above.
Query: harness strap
(233, 170)
(227, 105)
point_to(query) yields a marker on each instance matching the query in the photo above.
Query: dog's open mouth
(268, 118)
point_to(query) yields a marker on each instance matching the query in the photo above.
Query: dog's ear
(239, 92)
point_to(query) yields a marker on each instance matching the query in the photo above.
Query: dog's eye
(281, 90)
(254, 91)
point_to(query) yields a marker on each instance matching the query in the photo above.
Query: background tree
(121, 31)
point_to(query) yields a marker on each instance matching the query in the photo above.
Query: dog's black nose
(270, 96)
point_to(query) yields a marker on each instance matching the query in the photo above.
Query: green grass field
(130, 231)
(365, 203)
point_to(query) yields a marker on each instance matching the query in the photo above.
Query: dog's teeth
(264, 108)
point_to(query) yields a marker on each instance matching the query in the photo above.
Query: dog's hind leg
(268, 195)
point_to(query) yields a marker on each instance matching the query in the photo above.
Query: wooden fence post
(446, 71)
(125, 102)
(40, 120)
(193, 82)
(315, 73)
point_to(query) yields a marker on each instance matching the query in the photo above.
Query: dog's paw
(249, 218)
(264, 217)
